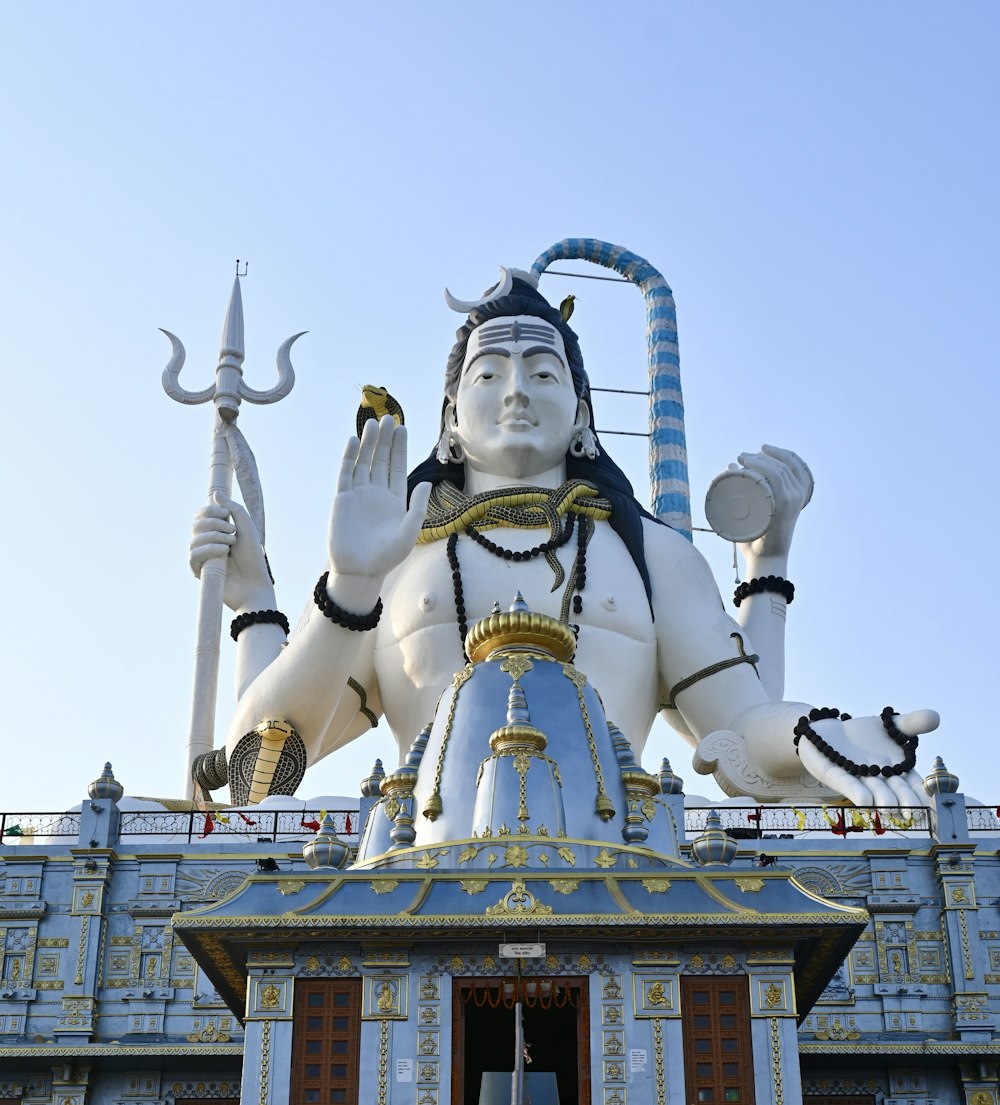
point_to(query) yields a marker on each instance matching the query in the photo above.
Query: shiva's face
(516, 409)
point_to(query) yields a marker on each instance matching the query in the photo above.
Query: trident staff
(229, 451)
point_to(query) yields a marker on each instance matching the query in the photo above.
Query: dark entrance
(556, 1028)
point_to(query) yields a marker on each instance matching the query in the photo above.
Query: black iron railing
(26, 827)
(250, 825)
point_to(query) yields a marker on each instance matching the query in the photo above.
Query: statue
(519, 495)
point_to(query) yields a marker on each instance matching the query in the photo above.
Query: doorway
(556, 1018)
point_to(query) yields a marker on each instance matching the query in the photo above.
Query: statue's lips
(519, 422)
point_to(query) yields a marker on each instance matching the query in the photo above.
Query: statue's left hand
(864, 740)
(791, 483)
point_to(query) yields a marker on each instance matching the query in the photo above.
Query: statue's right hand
(223, 528)
(371, 529)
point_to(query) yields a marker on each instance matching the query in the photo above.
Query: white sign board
(522, 951)
(404, 1070)
(636, 1059)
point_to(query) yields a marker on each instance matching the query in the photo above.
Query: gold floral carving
(749, 884)
(567, 856)
(474, 886)
(656, 886)
(565, 886)
(270, 997)
(605, 859)
(384, 886)
(773, 997)
(290, 886)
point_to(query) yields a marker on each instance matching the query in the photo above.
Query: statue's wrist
(767, 564)
(357, 594)
(260, 598)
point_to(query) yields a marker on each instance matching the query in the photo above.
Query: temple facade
(652, 951)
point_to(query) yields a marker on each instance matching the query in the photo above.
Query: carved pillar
(777, 1075)
(267, 1049)
(69, 1084)
(971, 1013)
(979, 1084)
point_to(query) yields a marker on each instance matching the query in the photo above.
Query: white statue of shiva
(518, 495)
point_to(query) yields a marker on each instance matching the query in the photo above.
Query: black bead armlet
(354, 622)
(765, 583)
(257, 617)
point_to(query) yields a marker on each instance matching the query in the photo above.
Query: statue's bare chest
(424, 592)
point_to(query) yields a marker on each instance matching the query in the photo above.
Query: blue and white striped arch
(668, 470)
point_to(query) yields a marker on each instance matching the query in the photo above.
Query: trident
(229, 451)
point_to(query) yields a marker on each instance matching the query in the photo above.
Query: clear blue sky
(817, 182)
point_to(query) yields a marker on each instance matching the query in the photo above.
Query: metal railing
(26, 827)
(251, 825)
(755, 822)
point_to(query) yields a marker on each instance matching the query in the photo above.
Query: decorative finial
(715, 847)
(519, 606)
(372, 786)
(326, 849)
(107, 786)
(669, 782)
(940, 780)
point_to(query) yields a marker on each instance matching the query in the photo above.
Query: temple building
(800, 956)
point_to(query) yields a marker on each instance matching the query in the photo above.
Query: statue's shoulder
(672, 560)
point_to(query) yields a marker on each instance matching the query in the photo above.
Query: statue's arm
(309, 682)
(762, 615)
(702, 663)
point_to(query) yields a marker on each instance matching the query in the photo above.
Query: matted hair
(626, 512)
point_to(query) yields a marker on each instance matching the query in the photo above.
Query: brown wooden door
(326, 1041)
(718, 1052)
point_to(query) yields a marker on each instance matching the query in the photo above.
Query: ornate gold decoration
(384, 1003)
(603, 806)
(613, 989)
(383, 1061)
(489, 963)
(457, 962)
(957, 894)
(728, 961)
(567, 856)
(779, 1093)
(963, 928)
(468, 853)
(474, 886)
(209, 1035)
(656, 886)
(749, 884)
(564, 886)
(384, 886)
(515, 856)
(516, 665)
(518, 902)
(344, 964)
(291, 886)
(433, 806)
(584, 962)
(520, 629)
(658, 1064)
(265, 1061)
(613, 1043)
(773, 997)
(82, 951)
(88, 899)
(270, 996)
(835, 1030)
(605, 859)
(429, 860)
(656, 994)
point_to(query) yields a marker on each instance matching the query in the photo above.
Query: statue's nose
(517, 391)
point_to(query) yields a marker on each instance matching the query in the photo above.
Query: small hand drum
(739, 505)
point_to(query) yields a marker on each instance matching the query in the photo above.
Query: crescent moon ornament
(465, 307)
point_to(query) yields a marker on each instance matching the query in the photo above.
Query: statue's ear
(582, 415)
(449, 417)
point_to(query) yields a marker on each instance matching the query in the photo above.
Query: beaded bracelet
(354, 622)
(765, 583)
(908, 744)
(257, 617)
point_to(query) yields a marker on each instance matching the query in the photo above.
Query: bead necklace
(578, 579)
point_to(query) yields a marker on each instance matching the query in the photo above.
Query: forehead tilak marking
(516, 330)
